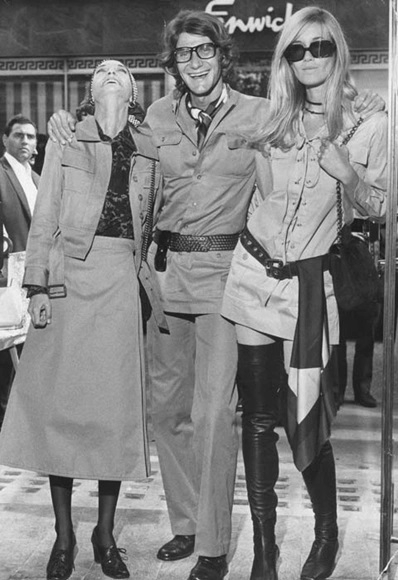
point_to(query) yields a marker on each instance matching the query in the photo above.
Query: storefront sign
(251, 24)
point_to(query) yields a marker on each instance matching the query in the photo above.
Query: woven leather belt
(187, 243)
(274, 268)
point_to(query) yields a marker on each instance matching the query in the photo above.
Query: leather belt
(187, 243)
(274, 268)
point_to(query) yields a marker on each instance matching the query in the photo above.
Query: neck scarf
(202, 117)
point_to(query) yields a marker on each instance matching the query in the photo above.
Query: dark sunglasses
(318, 49)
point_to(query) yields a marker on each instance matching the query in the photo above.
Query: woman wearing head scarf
(77, 408)
(279, 292)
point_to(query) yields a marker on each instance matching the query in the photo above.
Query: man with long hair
(202, 131)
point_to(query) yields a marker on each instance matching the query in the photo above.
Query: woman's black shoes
(61, 563)
(110, 558)
(321, 561)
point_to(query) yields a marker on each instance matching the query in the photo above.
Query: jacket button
(140, 197)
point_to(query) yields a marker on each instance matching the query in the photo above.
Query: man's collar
(179, 98)
(15, 163)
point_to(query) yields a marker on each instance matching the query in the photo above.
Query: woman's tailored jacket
(70, 201)
(205, 192)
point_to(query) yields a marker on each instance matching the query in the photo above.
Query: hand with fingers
(334, 159)
(61, 127)
(367, 103)
(40, 310)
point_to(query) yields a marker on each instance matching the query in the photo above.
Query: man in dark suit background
(18, 190)
(18, 183)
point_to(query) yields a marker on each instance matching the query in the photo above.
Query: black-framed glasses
(318, 49)
(205, 51)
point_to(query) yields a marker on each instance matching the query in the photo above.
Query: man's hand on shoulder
(367, 103)
(61, 127)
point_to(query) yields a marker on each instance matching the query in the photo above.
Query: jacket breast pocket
(78, 169)
(239, 155)
(165, 138)
(236, 141)
(283, 166)
(172, 150)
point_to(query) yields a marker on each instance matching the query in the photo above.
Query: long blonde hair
(287, 94)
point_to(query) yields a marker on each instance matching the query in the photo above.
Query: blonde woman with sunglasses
(279, 291)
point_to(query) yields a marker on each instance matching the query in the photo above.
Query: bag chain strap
(339, 206)
(147, 233)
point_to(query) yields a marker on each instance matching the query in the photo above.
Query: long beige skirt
(77, 405)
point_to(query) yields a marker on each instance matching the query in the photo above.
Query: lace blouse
(116, 220)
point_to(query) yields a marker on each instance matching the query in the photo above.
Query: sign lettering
(253, 23)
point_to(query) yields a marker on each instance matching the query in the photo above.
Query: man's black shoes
(366, 400)
(178, 548)
(209, 568)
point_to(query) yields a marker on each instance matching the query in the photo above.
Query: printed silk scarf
(310, 401)
(204, 118)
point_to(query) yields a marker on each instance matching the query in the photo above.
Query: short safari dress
(77, 405)
(298, 220)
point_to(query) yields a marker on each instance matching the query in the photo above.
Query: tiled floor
(142, 523)
(26, 520)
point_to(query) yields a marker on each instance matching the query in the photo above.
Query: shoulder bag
(12, 307)
(354, 273)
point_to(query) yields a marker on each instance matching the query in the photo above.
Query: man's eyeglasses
(184, 53)
(318, 49)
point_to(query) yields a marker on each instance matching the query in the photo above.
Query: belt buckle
(163, 242)
(204, 242)
(273, 268)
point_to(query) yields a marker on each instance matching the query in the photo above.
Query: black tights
(61, 495)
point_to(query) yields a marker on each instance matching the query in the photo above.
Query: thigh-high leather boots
(259, 375)
(320, 479)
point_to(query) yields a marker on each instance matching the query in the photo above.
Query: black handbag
(355, 278)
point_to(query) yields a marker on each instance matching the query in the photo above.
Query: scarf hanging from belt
(204, 118)
(310, 403)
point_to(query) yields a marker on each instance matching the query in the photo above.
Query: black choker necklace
(314, 112)
(312, 102)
